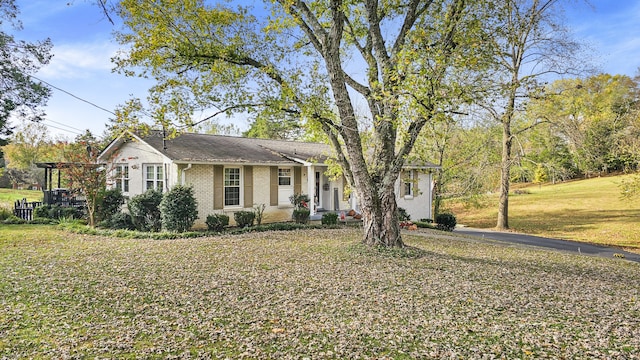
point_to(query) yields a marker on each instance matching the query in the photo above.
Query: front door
(318, 193)
(285, 185)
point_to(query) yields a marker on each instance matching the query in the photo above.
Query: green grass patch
(586, 210)
(307, 293)
(9, 196)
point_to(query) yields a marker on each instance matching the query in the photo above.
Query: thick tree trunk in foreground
(380, 220)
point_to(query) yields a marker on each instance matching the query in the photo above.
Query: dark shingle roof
(228, 149)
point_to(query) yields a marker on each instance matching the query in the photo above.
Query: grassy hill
(9, 196)
(586, 210)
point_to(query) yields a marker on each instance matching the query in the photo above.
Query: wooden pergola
(58, 195)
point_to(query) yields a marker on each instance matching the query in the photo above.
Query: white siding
(136, 155)
(418, 205)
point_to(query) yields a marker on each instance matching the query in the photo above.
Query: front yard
(307, 294)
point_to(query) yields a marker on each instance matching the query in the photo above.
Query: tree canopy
(354, 69)
(20, 94)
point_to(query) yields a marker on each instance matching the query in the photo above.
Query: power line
(70, 127)
(74, 96)
(55, 127)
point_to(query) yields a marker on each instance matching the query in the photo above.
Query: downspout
(184, 179)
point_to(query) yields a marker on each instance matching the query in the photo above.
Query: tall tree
(596, 118)
(20, 95)
(31, 143)
(83, 175)
(530, 44)
(316, 60)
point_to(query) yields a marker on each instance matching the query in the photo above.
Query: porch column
(311, 188)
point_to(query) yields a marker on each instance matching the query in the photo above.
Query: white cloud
(79, 60)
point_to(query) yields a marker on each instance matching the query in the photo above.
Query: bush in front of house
(403, 215)
(446, 221)
(329, 219)
(244, 218)
(179, 209)
(217, 222)
(57, 212)
(109, 204)
(120, 221)
(145, 210)
(301, 216)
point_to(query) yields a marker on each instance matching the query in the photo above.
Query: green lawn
(9, 196)
(586, 210)
(307, 294)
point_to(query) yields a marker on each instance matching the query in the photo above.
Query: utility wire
(72, 95)
(70, 127)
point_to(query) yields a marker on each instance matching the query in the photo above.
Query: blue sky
(83, 45)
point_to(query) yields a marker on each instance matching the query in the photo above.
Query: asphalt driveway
(555, 244)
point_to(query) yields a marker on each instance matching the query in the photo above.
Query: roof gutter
(184, 179)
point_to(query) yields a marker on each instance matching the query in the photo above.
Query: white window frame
(285, 191)
(285, 173)
(158, 180)
(408, 183)
(227, 185)
(122, 178)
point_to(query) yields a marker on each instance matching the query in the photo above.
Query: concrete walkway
(555, 244)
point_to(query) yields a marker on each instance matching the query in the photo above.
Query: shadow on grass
(564, 221)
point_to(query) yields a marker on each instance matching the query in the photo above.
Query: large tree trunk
(505, 177)
(380, 219)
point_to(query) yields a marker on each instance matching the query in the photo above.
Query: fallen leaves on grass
(311, 294)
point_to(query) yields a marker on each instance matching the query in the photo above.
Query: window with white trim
(231, 186)
(153, 177)
(121, 177)
(284, 177)
(408, 184)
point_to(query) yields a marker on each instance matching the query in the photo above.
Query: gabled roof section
(205, 148)
(216, 149)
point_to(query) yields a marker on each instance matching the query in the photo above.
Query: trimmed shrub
(403, 215)
(145, 211)
(217, 222)
(43, 221)
(446, 221)
(329, 219)
(5, 213)
(14, 220)
(244, 218)
(301, 216)
(179, 209)
(57, 212)
(109, 204)
(121, 221)
(425, 224)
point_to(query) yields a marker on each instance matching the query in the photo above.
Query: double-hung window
(232, 187)
(154, 177)
(121, 177)
(408, 183)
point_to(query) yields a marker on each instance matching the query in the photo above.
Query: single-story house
(230, 174)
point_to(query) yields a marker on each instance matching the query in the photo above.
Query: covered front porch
(326, 194)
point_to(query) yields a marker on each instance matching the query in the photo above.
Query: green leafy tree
(84, 176)
(530, 43)
(595, 118)
(298, 61)
(20, 94)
